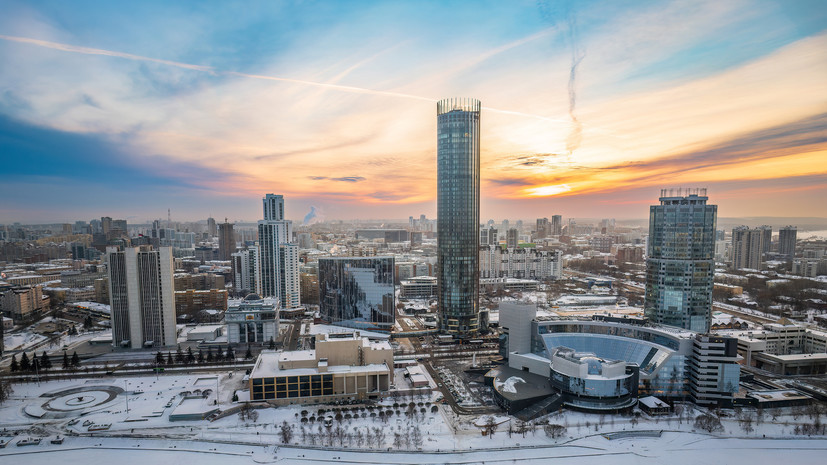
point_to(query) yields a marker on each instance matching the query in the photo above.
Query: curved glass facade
(458, 214)
(663, 369)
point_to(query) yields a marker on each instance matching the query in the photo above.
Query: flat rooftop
(267, 365)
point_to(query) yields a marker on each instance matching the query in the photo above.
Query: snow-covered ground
(21, 341)
(357, 433)
(672, 448)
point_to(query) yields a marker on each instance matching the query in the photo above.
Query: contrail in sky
(577, 55)
(214, 71)
(550, 14)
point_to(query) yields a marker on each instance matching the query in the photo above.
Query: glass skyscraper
(358, 292)
(458, 214)
(680, 263)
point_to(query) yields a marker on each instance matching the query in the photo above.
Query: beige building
(200, 281)
(20, 304)
(102, 290)
(343, 366)
(192, 301)
(784, 348)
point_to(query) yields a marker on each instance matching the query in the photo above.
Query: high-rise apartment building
(358, 292)
(512, 238)
(141, 295)
(766, 239)
(543, 228)
(786, 241)
(458, 214)
(522, 263)
(747, 248)
(278, 257)
(680, 262)
(226, 240)
(106, 224)
(488, 236)
(212, 227)
(557, 225)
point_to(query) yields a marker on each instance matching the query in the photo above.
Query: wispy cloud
(341, 179)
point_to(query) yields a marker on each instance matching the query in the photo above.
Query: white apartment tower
(141, 293)
(278, 256)
(747, 248)
(246, 270)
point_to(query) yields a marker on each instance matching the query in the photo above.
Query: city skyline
(590, 107)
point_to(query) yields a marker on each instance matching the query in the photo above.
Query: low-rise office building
(253, 320)
(341, 367)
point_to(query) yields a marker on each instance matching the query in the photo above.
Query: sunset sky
(125, 109)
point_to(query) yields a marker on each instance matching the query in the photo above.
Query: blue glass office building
(357, 292)
(458, 214)
(680, 265)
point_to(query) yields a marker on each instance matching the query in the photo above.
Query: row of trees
(41, 363)
(342, 436)
(188, 357)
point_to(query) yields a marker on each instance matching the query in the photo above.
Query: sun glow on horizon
(546, 191)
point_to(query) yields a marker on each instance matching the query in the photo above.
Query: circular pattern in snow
(76, 399)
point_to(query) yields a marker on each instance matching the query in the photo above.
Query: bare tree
(490, 427)
(339, 435)
(246, 412)
(5, 390)
(379, 433)
(286, 432)
(522, 428)
(746, 423)
(708, 422)
(416, 437)
(369, 438)
(555, 431)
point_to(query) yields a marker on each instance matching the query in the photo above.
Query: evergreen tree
(25, 365)
(35, 365)
(210, 357)
(190, 356)
(75, 360)
(14, 366)
(66, 363)
(88, 323)
(249, 354)
(179, 356)
(230, 354)
(45, 361)
(169, 358)
(159, 358)
(73, 331)
(272, 344)
(200, 356)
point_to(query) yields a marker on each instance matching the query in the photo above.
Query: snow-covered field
(358, 434)
(21, 341)
(671, 448)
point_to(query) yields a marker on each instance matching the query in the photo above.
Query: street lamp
(126, 393)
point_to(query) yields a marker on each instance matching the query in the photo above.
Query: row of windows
(326, 378)
(260, 393)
